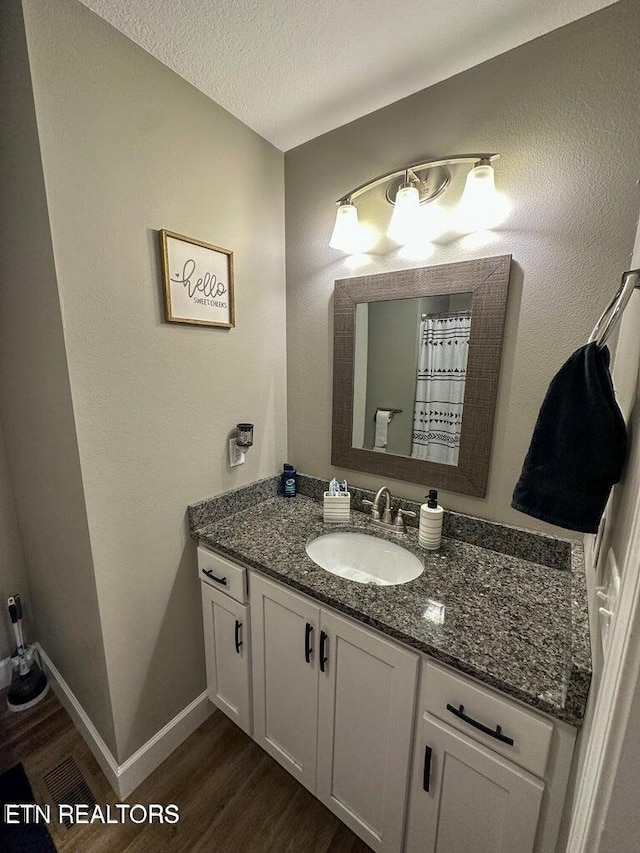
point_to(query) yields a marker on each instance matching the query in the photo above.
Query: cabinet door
(366, 704)
(227, 643)
(285, 676)
(466, 799)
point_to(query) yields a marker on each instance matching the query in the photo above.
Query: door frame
(618, 697)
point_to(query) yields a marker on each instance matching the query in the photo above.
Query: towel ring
(609, 317)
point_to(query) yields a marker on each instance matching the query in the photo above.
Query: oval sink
(364, 559)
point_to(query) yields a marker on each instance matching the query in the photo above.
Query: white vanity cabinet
(285, 629)
(334, 704)
(488, 775)
(470, 800)
(227, 637)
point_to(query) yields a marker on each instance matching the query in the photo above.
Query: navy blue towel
(578, 447)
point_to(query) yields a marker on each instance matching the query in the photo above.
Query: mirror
(410, 365)
(416, 368)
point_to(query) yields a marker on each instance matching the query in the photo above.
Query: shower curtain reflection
(442, 371)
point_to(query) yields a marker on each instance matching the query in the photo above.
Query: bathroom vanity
(438, 715)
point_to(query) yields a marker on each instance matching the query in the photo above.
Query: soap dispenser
(430, 529)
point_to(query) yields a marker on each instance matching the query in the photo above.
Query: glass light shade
(480, 206)
(346, 232)
(406, 219)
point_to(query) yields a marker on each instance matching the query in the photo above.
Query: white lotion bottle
(430, 529)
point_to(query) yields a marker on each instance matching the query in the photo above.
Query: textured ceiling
(293, 69)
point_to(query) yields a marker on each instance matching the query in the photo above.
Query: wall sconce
(413, 186)
(237, 445)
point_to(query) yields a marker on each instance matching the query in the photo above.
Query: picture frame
(198, 281)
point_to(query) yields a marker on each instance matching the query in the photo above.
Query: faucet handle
(375, 511)
(399, 521)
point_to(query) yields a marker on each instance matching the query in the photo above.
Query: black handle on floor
(307, 643)
(323, 644)
(211, 575)
(237, 637)
(497, 734)
(426, 771)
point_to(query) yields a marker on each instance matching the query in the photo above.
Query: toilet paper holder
(387, 409)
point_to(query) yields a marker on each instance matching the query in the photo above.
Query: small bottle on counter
(289, 481)
(430, 528)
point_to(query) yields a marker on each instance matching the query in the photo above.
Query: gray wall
(562, 111)
(35, 403)
(13, 574)
(391, 370)
(129, 148)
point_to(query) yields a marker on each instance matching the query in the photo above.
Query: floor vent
(67, 786)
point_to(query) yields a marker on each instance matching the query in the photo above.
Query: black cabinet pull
(237, 636)
(497, 734)
(323, 645)
(307, 643)
(426, 772)
(211, 575)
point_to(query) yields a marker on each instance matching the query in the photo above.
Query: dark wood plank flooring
(232, 796)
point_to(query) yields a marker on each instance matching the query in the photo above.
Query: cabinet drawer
(222, 574)
(472, 708)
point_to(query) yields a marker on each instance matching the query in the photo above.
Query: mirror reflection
(410, 364)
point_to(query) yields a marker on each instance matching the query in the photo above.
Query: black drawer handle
(211, 575)
(237, 636)
(307, 643)
(426, 772)
(323, 645)
(497, 734)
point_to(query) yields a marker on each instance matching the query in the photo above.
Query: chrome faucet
(375, 509)
(385, 519)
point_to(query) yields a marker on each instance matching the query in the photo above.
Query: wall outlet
(236, 454)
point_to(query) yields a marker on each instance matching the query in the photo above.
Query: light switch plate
(236, 454)
(607, 600)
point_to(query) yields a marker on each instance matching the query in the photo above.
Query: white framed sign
(198, 281)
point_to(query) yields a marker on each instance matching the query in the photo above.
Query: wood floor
(232, 796)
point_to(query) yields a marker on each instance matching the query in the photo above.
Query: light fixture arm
(415, 167)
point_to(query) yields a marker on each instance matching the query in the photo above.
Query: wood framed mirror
(416, 364)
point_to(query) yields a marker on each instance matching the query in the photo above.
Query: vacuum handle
(13, 610)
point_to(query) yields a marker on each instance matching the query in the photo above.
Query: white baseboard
(151, 754)
(5, 673)
(125, 778)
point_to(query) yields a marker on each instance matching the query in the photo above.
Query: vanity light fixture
(346, 233)
(418, 184)
(405, 219)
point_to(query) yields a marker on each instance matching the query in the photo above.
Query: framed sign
(198, 281)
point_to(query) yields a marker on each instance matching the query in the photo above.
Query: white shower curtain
(442, 371)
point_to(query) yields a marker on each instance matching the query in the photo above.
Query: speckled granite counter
(517, 625)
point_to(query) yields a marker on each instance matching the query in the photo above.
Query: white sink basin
(364, 559)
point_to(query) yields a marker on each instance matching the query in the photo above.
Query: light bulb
(406, 219)
(480, 206)
(346, 233)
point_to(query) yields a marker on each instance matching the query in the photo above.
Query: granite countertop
(518, 625)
